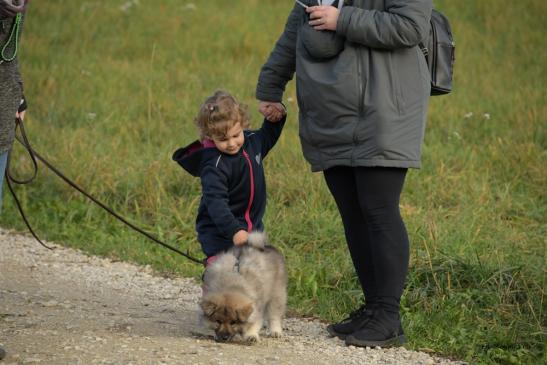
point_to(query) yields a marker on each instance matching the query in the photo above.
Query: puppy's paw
(276, 330)
(252, 338)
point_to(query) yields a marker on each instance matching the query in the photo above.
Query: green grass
(112, 94)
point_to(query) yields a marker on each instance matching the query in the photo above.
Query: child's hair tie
(211, 108)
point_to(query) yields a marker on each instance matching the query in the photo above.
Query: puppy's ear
(244, 313)
(209, 307)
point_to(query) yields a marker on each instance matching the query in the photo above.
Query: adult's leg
(3, 162)
(342, 185)
(341, 181)
(378, 193)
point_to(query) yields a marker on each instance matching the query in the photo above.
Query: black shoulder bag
(440, 54)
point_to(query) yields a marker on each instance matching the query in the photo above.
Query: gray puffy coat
(367, 105)
(11, 89)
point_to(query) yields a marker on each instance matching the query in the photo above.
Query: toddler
(228, 160)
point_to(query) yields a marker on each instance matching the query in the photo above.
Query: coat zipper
(361, 92)
(360, 78)
(251, 197)
(361, 86)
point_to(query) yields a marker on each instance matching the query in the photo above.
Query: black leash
(35, 155)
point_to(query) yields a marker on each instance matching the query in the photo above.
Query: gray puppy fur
(243, 288)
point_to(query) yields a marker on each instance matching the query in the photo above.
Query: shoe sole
(392, 342)
(333, 333)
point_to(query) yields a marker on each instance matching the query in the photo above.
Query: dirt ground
(63, 307)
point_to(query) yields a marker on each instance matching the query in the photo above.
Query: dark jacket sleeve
(22, 104)
(281, 64)
(404, 23)
(214, 184)
(269, 134)
(19, 78)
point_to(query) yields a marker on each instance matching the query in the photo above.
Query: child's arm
(214, 184)
(269, 134)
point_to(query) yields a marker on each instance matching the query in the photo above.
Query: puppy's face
(226, 313)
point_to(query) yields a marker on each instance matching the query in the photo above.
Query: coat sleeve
(280, 66)
(404, 23)
(18, 76)
(214, 184)
(269, 134)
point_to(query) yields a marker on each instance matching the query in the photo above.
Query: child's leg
(208, 262)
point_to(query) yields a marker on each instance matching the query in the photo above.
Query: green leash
(13, 38)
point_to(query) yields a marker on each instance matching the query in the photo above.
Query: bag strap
(13, 38)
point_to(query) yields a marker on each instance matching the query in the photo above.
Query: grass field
(113, 88)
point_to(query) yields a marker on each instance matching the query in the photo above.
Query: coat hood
(191, 156)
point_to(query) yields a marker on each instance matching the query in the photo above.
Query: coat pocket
(321, 44)
(411, 78)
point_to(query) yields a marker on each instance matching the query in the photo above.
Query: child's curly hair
(219, 113)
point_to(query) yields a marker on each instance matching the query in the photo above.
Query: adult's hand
(323, 17)
(9, 10)
(272, 111)
(20, 115)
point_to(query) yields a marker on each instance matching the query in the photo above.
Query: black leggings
(368, 201)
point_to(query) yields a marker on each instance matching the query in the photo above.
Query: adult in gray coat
(12, 102)
(363, 88)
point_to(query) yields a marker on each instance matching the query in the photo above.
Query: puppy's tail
(257, 240)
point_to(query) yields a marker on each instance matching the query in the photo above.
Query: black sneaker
(2, 353)
(354, 322)
(380, 330)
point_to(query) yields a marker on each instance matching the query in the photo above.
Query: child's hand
(272, 111)
(240, 238)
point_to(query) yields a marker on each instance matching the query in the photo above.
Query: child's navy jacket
(233, 186)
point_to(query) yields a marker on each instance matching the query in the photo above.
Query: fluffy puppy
(244, 287)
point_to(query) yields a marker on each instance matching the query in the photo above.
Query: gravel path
(63, 307)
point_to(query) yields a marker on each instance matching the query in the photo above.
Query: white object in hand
(330, 2)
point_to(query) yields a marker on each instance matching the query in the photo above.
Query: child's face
(231, 142)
